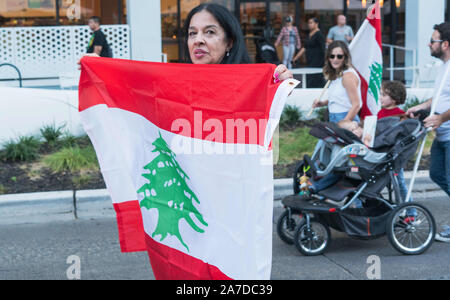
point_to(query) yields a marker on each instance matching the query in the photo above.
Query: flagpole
(357, 37)
(419, 157)
(320, 98)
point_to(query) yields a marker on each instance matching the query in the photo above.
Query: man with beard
(440, 121)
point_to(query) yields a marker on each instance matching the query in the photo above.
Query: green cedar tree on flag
(367, 59)
(185, 151)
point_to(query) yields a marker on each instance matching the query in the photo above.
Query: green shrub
(411, 102)
(23, 149)
(290, 117)
(51, 134)
(322, 114)
(2, 190)
(72, 159)
(68, 140)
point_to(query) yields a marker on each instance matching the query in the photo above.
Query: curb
(39, 207)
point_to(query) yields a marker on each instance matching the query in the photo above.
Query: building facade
(39, 36)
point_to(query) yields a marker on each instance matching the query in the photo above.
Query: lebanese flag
(367, 59)
(185, 151)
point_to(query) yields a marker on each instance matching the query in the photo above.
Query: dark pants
(440, 165)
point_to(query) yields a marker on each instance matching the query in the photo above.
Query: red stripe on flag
(170, 264)
(374, 19)
(365, 111)
(131, 227)
(376, 23)
(185, 93)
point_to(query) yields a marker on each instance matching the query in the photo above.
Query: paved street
(40, 251)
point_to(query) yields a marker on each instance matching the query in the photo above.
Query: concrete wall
(144, 19)
(24, 111)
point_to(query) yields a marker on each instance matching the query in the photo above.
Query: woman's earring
(228, 53)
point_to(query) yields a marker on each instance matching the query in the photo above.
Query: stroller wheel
(314, 239)
(286, 226)
(411, 229)
(296, 178)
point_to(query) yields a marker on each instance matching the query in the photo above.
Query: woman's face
(312, 25)
(207, 41)
(336, 58)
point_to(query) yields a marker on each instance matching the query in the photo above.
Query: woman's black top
(315, 50)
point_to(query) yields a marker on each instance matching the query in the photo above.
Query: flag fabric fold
(185, 151)
(367, 59)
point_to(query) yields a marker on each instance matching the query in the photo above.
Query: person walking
(440, 121)
(98, 43)
(291, 41)
(315, 53)
(344, 101)
(340, 32)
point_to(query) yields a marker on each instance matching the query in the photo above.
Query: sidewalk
(39, 207)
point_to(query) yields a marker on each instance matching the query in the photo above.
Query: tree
(168, 192)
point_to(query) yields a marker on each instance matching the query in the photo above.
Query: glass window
(27, 12)
(60, 12)
(77, 12)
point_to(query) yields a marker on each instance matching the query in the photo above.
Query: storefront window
(27, 12)
(17, 13)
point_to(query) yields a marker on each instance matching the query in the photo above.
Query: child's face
(386, 100)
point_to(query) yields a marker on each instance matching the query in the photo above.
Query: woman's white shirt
(338, 99)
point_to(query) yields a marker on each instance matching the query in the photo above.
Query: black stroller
(367, 175)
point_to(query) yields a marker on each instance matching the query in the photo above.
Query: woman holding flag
(213, 36)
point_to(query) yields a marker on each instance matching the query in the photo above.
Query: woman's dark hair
(238, 54)
(315, 19)
(444, 31)
(396, 90)
(328, 71)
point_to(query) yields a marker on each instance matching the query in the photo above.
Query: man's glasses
(435, 41)
(339, 56)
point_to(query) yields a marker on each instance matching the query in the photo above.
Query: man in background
(340, 32)
(97, 43)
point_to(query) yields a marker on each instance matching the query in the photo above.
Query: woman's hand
(282, 73)
(86, 55)
(317, 103)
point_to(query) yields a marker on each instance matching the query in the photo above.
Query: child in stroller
(364, 174)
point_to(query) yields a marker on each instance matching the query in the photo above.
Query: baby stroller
(365, 175)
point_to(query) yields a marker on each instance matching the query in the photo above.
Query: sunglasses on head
(339, 56)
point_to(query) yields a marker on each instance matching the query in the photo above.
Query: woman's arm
(299, 43)
(318, 103)
(350, 83)
(280, 37)
(299, 54)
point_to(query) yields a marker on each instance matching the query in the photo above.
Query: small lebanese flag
(367, 59)
(185, 154)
